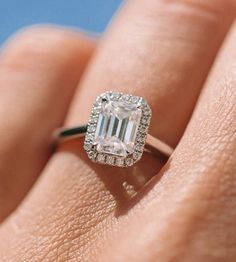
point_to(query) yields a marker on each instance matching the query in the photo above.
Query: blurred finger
(39, 70)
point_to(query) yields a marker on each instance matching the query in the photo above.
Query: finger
(190, 216)
(163, 53)
(78, 200)
(154, 68)
(39, 70)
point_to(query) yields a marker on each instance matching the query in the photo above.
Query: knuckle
(30, 44)
(37, 45)
(188, 22)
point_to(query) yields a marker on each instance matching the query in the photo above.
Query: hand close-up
(58, 205)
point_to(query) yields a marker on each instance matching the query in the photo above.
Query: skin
(57, 205)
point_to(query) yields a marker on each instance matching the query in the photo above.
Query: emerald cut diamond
(117, 127)
(115, 124)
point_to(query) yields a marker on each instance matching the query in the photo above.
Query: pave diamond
(117, 131)
(101, 158)
(117, 127)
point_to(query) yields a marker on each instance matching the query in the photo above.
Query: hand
(79, 211)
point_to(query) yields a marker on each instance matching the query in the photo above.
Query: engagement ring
(117, 132)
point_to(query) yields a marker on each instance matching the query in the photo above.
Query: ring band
(117, 132)
(154, 144)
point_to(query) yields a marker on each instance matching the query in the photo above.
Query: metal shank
(153, 144)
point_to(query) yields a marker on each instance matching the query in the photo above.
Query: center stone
(117, 127)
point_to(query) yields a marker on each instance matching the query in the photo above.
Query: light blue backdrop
(91, 15)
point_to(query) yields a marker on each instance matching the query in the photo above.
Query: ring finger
(147, 52)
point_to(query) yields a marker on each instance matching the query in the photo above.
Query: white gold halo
(117, 129)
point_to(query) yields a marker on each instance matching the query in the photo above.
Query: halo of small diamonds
(141, 132)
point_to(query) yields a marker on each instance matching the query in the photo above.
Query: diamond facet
(117, 127)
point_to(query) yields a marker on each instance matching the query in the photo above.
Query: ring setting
(117, 129)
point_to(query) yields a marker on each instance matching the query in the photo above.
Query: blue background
(90, 15)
